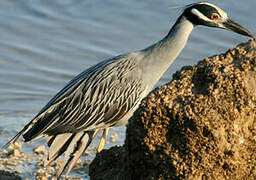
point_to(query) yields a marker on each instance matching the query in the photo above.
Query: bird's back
(96, 98)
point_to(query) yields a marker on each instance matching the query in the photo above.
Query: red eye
(214, 17)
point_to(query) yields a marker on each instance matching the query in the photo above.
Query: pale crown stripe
(222, 13)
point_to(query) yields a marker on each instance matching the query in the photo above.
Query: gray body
(108, 93)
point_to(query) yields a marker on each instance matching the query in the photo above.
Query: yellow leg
(103, 140)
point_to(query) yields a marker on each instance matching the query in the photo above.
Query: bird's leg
(102, 140)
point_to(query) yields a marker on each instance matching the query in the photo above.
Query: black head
(207, 14)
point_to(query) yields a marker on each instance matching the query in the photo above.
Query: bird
(107, 94)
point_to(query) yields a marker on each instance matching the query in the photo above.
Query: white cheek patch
(200, 15)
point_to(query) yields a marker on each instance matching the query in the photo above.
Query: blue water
(45, 43)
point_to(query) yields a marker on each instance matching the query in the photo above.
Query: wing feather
(96, 98)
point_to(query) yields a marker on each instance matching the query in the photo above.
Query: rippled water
(44, 43)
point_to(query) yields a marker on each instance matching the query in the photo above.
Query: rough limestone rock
(201, 125)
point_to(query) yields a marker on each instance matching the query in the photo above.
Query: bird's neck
(161, 55)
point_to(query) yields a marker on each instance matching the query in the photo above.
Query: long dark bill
(233, 26)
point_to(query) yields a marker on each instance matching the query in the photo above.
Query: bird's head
(207, 14)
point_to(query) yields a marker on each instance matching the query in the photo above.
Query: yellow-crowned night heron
(107, 94)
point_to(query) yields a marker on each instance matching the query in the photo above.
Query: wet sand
(15, 164)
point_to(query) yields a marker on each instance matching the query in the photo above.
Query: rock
(40, 150)
(113, 137)
(14, 152)
(17, 145)
(17, 171)
(105, 165)
(41, 174)
(201, 125)
(5, 175)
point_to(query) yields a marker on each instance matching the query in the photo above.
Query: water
(45, 43)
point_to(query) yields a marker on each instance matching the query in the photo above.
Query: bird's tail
(21, 133)
(72, 145)
(14, 139)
